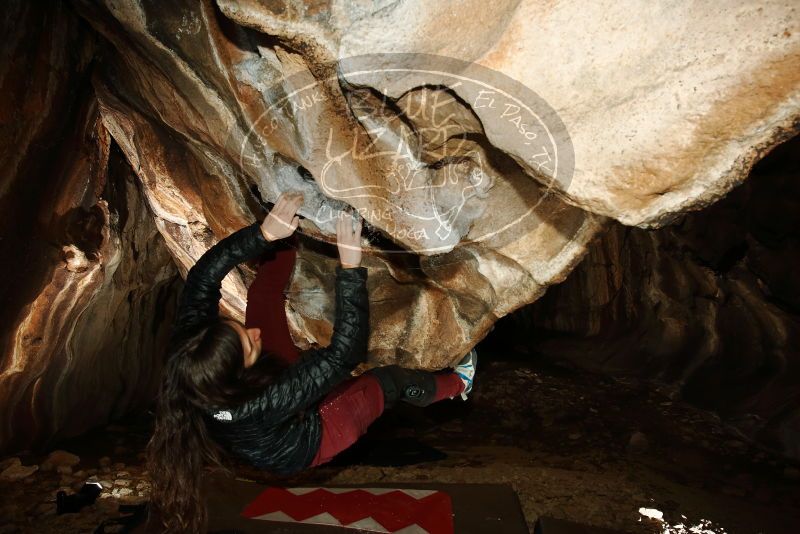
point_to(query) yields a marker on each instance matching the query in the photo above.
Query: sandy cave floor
(573, 445)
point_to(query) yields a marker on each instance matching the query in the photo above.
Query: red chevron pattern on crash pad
(373, 509)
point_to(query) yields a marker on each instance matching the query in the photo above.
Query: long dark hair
(202, 370)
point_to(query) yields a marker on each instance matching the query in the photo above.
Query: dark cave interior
(663, 372)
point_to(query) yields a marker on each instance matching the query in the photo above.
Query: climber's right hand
(282, 220)
(348, 240)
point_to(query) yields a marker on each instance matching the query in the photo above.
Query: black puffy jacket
(280, 429)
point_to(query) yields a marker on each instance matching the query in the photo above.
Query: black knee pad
(385, 376)
(408, 385)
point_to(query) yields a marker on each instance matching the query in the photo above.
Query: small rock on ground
(18, 472)
(60, 458)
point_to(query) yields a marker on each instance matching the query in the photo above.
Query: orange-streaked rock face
(88, 285)
(495, 186)
(709, 306)
(484, 150)
(215, 118)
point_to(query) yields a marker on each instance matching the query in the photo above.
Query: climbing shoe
(465, 369)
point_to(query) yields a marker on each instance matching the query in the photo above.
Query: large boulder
(485, 150)
(482, 176)
(667, 106)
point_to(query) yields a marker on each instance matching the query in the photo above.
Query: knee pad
(385, 376)
(408, 385)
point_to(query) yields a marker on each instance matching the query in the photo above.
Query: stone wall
(709, 306)
(484, 154)
(88, 286)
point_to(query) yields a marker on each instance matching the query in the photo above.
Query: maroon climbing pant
(353, 405)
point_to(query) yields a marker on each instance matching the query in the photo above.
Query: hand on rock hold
(282, 221)
(348, 240)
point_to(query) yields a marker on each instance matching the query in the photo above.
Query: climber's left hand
(282, 220)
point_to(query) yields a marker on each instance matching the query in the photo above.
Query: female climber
(219, 394)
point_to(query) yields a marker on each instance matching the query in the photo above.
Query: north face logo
(224, 415)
